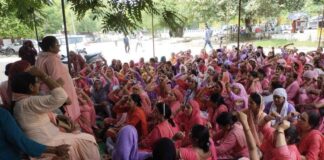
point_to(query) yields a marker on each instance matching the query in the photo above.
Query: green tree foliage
(87, 24)
(11, 27)
(225, 10)
(125, 16)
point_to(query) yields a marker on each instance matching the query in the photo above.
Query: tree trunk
(176, 32)
(248, 24)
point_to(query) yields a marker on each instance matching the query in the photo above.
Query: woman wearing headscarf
(279, 105)
(255, 115)
(126, 147)
(166, 128)
(49, 62)
(110, 76)
(88, 113)
(307, 86)
(238, 97)
(174, 99)
(187, 116)
(78, 63)
(208, 77)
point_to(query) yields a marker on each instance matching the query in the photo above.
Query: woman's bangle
(279, 131)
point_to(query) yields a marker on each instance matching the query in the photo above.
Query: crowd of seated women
(231, 103)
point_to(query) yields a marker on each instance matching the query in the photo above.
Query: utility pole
(153, 35)
(321, 27)
(66, 36)
(239, 30)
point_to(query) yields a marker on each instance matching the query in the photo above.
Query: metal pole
(238, 32)
(239, 26)
(36, 32)
(66, 36)
(153, 35)
(321, 26)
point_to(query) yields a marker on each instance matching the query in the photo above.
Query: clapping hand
(283, 125)
(178, 136)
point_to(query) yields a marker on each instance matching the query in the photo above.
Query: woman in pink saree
(255, 115)
(308, 84)
(238, 97)
(49, 62)
(311, 140)
(202, 145)
(230, 142)
(174, 99)
(187, 116)
(254, 84)
(165, 129)
(88, 113)
(292, 87)
(110, 75)
(215, 108)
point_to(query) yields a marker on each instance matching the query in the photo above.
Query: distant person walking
(139, 37)
(126, 43)
(208, 35)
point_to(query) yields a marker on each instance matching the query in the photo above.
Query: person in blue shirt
(13, 141)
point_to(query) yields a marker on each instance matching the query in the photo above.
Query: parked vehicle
(7, 51)
(76, 43)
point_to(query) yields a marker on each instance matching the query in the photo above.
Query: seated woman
(254, 84)
(31, 112)
(216, 107)
(166, 127)
(307, 86)
(280, 104)
(13, 141)
(311, 140)
(126, 145)
(238, 97)
(188, 115)
(230, 142)
(135, 114)
(202, 145)
(276, 145)
(146, 102)
(99, 93)
(255, 115)
(292, 86)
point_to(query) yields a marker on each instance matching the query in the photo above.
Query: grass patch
(281, 42)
